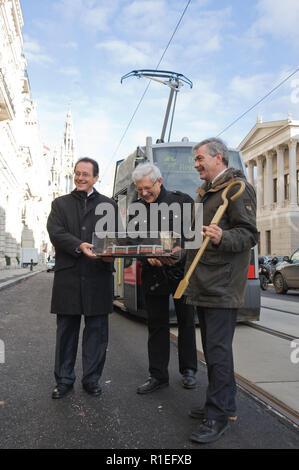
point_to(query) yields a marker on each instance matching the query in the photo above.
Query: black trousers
(157, 307)
(217, 326)
(94, 345)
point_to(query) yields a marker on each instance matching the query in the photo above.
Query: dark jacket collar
(162, 194)
(83, 194)
(221, 182)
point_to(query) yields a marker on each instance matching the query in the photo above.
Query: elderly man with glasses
(159, 280)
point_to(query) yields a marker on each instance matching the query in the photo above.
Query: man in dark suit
(83, 283)
(159, 281)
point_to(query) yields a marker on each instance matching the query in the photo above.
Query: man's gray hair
(146, 169)
(215, 146)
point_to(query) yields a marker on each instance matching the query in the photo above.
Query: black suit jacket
(82, 286)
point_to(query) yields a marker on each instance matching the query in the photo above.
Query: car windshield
(295, 257)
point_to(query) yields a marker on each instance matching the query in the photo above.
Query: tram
(176, 163)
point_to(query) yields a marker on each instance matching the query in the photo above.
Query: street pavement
(119, 418)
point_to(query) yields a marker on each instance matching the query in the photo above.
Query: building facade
(271, 156)
(24, 199)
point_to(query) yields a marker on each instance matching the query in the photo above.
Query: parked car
(286, 275)
(50, 265)
(273, 262)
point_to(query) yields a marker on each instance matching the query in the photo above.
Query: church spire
(68, 153)
(68, 137)
(63, 161)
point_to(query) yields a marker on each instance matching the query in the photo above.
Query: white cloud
(70, 71)
(71, 45)
(93, 14)
(34, 53)
(125, 53)
(278, 19)
(250, 88)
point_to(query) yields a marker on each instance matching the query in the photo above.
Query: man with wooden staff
(217, 285)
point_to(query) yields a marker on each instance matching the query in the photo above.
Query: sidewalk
(12, 276)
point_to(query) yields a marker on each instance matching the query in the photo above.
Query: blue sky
(234, 52)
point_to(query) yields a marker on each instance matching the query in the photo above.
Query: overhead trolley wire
(258, 102)
(147, 87)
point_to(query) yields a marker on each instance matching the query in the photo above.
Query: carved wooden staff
(215, 221)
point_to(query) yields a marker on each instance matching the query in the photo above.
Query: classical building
(271, 156)
(24, 200)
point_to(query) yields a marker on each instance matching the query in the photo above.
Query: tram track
(270, 331)
(279, 310)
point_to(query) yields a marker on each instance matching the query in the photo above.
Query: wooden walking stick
(215, 221)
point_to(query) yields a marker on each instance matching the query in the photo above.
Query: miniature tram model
(129, 251)
(176, 163)
(147, 244)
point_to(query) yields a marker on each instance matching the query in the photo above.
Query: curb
(10, 282)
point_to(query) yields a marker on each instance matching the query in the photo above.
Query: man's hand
(171, 261)
(214, 232)
(154, 262)
(86, 249)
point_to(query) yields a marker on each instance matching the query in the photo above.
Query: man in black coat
(83, 283)
(159, 280)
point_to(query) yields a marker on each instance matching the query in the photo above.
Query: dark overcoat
(153, 275)
(219, 279)
(82, 286)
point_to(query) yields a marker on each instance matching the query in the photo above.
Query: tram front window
(177, 167)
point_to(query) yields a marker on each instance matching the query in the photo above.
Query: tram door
(118, 278)
(127, 270)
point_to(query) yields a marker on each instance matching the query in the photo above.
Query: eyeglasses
(84, 174)
(146, 188)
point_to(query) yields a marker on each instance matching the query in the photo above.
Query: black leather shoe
(209, 430)
(61, 390)
(189, 379)
(151, 385)
(199, 413)
(94, 390)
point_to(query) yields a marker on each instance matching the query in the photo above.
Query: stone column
(260, 183)
(292, 172)
(269, 179)
(280, 176)
(250, 172)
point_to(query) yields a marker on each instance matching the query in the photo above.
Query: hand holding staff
(215, 221)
